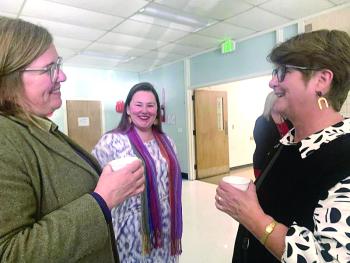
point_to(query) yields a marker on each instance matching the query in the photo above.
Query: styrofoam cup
(239, 182)
(118, 164)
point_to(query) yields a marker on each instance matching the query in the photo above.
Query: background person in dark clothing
(269, 128)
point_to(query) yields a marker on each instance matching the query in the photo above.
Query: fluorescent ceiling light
(176, 16)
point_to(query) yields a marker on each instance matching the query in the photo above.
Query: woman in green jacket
(55, 200)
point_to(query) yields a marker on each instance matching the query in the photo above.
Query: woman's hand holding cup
(121, 179)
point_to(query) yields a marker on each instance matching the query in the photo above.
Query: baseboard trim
(241, 166)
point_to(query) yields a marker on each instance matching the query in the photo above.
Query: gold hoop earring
(321, 100)
(129, 119)
(155, 122)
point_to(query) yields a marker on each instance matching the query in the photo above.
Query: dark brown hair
(124, 123)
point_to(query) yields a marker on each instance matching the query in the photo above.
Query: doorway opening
(245, 102)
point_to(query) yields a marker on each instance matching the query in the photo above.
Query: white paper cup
(239, 182)
(118, 164)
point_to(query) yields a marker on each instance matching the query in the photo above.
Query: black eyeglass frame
(281, 71)
(53, 69)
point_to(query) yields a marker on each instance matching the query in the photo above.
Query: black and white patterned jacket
(329, 241)
(308, 190)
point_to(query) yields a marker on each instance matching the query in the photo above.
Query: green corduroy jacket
(46, 211)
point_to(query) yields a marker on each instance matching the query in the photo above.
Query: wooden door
(212, 152)
(84, 122)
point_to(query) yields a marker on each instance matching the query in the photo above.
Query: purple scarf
(151, 211)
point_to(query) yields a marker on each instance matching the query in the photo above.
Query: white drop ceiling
(114, 34)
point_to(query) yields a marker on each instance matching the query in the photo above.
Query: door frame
(191, 140)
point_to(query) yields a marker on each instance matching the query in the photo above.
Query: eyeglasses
(281, 71)
(53, 69)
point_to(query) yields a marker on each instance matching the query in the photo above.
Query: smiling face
(295, 96)
(143, 110)
(41, 96)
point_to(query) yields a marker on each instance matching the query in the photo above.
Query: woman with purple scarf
(148, 227)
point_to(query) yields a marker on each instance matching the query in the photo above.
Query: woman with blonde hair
(55, 199)
(269, 128)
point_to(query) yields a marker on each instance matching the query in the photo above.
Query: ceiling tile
(339, 2)
(217, 9)
(11, 6)
(256, 2)
(116, 50)
(139, 42)
(130, 41)
(199, 41)
(8, 15)
(67, 14)
(65, 53)
(162, 55)
(150, 31)
(70, 43)
(148, 63)
(145, 61)
(82, 60)
(120, 8)
(180, 49)
(66, 30)
(162, 22)
(166, 60)
(133, 67)
(296, 8)
(252, 19)
(225, 30)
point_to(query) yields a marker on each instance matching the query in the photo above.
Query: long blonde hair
(269, 101)
(21, 42)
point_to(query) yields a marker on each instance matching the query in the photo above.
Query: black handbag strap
(244, 232)
(261, 178)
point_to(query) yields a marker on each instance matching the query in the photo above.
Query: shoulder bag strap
(261, 178)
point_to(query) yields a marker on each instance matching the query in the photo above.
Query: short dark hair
(321, 49)
(124, 124)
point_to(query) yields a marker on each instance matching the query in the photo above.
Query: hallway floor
(209, 234)
(246, 171)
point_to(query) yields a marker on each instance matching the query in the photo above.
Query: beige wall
(339, 19)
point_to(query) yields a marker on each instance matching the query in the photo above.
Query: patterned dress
(127, 216)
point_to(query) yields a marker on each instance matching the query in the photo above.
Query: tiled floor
(246, 171)
(209, 234)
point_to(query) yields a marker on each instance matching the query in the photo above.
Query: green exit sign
(228, 46)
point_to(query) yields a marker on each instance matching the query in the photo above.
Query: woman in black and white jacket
(300, 212)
